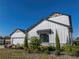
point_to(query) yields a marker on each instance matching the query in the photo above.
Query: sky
(24, 13)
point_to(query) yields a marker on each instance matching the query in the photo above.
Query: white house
(47, 28)
(17, 37)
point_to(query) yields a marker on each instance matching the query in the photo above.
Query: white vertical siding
(62, 30)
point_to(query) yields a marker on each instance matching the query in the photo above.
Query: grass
(21, 54)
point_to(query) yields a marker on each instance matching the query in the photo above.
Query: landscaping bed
(22, 54)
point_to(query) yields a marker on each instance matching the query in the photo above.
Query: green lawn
(21, 54)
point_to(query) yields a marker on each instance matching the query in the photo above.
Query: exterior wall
(43, 25)
(62, 30)
(61, 19)
(33, 32)
(7, 41)
(17, 37)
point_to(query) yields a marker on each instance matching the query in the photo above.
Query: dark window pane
(44, 37)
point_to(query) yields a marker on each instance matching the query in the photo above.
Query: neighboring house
(47, 28)
(7, 40)
(17, 37)
(1, 40)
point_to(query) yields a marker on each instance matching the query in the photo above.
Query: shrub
(35, 42)
(75, 51)
(71, 50)
(43, 48)
(67, 48)
(47, 51)
(36, 51)
(51, 48)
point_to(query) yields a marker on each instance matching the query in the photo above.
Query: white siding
(61, 19)
(33, 32)
(62, 30)
(17, 38)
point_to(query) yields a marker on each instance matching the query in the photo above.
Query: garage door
(18, 41)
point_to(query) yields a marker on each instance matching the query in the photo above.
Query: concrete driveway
(1, 46)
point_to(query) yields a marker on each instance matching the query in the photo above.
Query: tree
(57, 44)
(26, 42)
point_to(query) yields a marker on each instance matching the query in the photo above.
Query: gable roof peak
(56, 14)
(18, 29)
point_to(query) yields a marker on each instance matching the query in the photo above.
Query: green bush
(36, 51)
(35, 42)
(47, 51)
(40, 49)
(43, 49)
(51, 48)
(67, 48)
(71, 50)
(75, 51)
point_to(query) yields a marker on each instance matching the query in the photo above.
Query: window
(44, 37)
